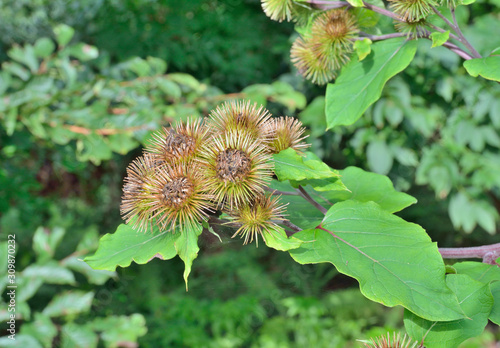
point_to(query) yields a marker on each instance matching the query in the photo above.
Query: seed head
(416, 28)
(332, 36)
(258, 216)
(412, 10)
(309, 64)
(241, 117)
(179, 143)
(285, 132)
(236, 168)
(177, 196)
(387, 342)
(136, 193)
(280, 10)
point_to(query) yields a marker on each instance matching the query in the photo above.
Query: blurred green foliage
(226, 42)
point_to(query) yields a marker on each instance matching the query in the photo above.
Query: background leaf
(69, 303)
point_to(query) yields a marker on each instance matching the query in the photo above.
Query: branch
(457, 30)
(101, 131)
(489, 253)
(380, 37)
(462, 37)
(308, 198)
(328, 5)
(441, 30)
(282, 193)
(288, 224)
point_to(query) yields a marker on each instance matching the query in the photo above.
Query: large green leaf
(366, 187)
(487, 274)
(187, 247)
(488, 67)
(360, 84)
(127, 245)
(394, 261)
(288, 165)
(476, 301)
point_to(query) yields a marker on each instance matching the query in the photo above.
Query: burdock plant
(258, 216)
(285, 132)
(225, 162)
(236, 167)
(319, 54)
(179, 143)
(241, 117)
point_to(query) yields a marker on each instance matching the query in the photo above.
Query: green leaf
(476, 301)
(45, 242)
(487, 274)
(186, 80)
(82, 51)
(44, 47)
(187, 247)
(25, 55)
(488, 67)
(304, 214)
(69, 303)
(94, 276)
(78, 336)
(288, 165)
(277, 239)
(120, 330)
(21, 341)
(321, 185)
(386, 254)
(127, 245)
(360, 84)
(366, 187)
(356, 3)
(42, 328)
(64, 34)
(467, 2)
(50, 272)
(495, 311)
(170, 88)
(379, 157)
(438, 39)
(122, 143)
(363, 48)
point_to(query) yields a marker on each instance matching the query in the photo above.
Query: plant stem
(457, 30)
(308, 198)
(489, 253)
(283, 193)
(380, 37)
(462, 37)
(328, 5)
(293, 227)
(446, 20)
(441, 30)
(457, 50)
